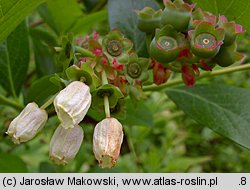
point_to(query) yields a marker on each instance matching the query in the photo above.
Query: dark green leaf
(138, 115)
(122, 16)
(12, 164)
(14, 60)
(41, 89)
(13, 12)
(222, 108)
(46, 15)
(44, 35)
(44, 60)
(232, 9)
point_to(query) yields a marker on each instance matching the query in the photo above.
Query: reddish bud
(161, 74)
(196, 69)
(185, 53)
(98, 52)
(95, 35)
(204, 64)
(188, 75)
(105, 61)
(117, 66)
(83, 59)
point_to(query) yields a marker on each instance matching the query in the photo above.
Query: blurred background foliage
(158, 136)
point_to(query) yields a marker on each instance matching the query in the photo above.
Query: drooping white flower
(72, 104)
(65, 143)
(27, 124)
(107, 141)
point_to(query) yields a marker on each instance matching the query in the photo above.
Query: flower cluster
(71, 105)
(185, 39)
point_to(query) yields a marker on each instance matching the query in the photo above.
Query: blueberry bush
(124, 86)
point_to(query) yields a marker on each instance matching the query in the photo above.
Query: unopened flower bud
(72, 104)
(107, 140)
(27, 124)
(65, 143)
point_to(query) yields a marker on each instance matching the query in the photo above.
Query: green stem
(131, 144)
(84, 52)
(203, 75)
(6, 101)
(48, 102)
(104, 78)
(106, 106)
(78, 49)
(106, 99)
(148, 41)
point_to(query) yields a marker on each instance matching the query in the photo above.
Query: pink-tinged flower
(83, 59)
(206, 40)
(105, 61)
(107, 141)
(95, 35)
(98, 52)
(188, 75)
(231, 30)
(160, 74)
(117, 66)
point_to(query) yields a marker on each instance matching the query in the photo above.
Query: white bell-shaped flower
(27, 124)
(107, 141)
(72, 104)
(65, 143)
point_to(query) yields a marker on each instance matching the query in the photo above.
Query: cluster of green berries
(185, 39)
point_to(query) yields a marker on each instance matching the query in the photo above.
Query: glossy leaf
(12, 164)
(122, 15)
(13, 12)
(222, 108)
(232, 9)
(14, 60)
